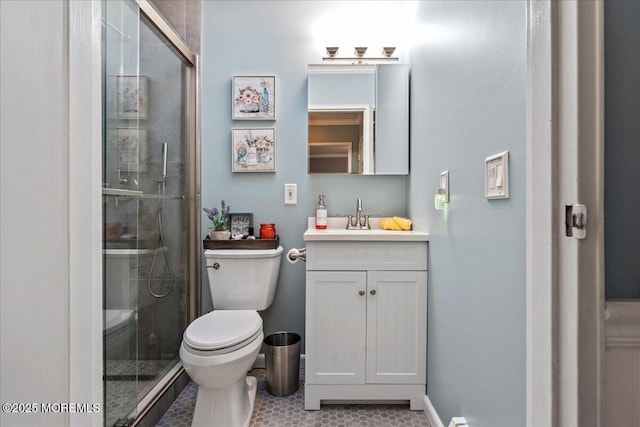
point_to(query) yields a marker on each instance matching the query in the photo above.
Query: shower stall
(150, 205)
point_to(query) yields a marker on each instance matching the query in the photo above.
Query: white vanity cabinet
(366, 321)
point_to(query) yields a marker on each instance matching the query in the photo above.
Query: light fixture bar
(360, 59)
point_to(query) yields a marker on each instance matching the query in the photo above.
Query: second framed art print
(253, 150)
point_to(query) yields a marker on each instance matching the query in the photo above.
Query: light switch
(496, 176)
(499, 174)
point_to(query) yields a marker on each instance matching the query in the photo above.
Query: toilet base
(228, 407)
(252, 385)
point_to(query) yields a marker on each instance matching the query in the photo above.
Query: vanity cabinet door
(336, 327)
(396, 327)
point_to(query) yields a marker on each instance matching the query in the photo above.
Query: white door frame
(565, 165)
(564, 141)
(85, 209)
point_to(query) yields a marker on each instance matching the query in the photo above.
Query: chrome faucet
(359, 222)
(126, 181)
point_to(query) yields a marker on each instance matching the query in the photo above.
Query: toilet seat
(222, 330)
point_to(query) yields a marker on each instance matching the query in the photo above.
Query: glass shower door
(145, 211)
(120, 207)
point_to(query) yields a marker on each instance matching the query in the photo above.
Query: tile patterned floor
(128, 381)
(289, 411)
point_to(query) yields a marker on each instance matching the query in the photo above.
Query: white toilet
(220, 347)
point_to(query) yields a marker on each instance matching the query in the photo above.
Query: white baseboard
(432, 415)
(622, 385)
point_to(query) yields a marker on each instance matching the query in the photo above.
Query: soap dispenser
(321, 214)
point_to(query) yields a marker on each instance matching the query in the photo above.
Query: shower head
(165, 152)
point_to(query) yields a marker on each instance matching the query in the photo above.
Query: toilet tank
(243, 279)
(122, 275)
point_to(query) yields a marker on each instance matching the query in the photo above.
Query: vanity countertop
(336, 231)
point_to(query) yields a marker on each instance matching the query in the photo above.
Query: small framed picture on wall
(133, 102)
(132, 149)
(253, 150)
(254, 98)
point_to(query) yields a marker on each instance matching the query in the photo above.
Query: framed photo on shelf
(253, 150)
(253, 98)
(241, 223)
(132, 149)
(132, 95)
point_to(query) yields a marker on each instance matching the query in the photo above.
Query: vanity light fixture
(331, 51)
(360, 52)
(442, 193)
(388, 51)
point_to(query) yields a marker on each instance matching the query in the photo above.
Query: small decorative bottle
(321, 214)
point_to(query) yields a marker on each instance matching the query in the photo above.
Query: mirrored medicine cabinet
(358, 119)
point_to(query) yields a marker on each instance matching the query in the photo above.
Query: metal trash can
(283, 363)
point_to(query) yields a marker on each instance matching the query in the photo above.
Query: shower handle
(165, 152)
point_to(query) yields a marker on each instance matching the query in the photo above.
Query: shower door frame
(192, 187)
(192, 174)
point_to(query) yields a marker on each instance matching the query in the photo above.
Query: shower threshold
(146, 386)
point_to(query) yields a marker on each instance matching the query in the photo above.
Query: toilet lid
(222, 328)
(116, 319)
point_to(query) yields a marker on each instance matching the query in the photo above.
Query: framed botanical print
(132, 95)
(253, 150)
(254, 98)
(132, 149)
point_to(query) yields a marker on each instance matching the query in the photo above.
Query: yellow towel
(396, 223)
(389, 224)
(403, 223)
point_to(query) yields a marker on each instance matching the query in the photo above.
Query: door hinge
(576, 221)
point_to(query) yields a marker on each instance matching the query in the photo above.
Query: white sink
(336, 230)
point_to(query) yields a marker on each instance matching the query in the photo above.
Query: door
(621, 371)
(565, 166)
(396, 327)
(335, 330)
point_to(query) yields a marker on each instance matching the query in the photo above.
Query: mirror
(358, 119)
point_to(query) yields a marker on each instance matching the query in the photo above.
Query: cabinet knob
(361, 293)
(373, 292)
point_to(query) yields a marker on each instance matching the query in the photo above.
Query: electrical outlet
(290, 194)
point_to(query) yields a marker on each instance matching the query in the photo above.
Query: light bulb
(439, 199)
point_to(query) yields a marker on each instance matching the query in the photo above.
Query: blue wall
(267, 38)
(468, 88)
(468, 92)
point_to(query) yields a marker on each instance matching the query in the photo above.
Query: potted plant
(220, 220)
